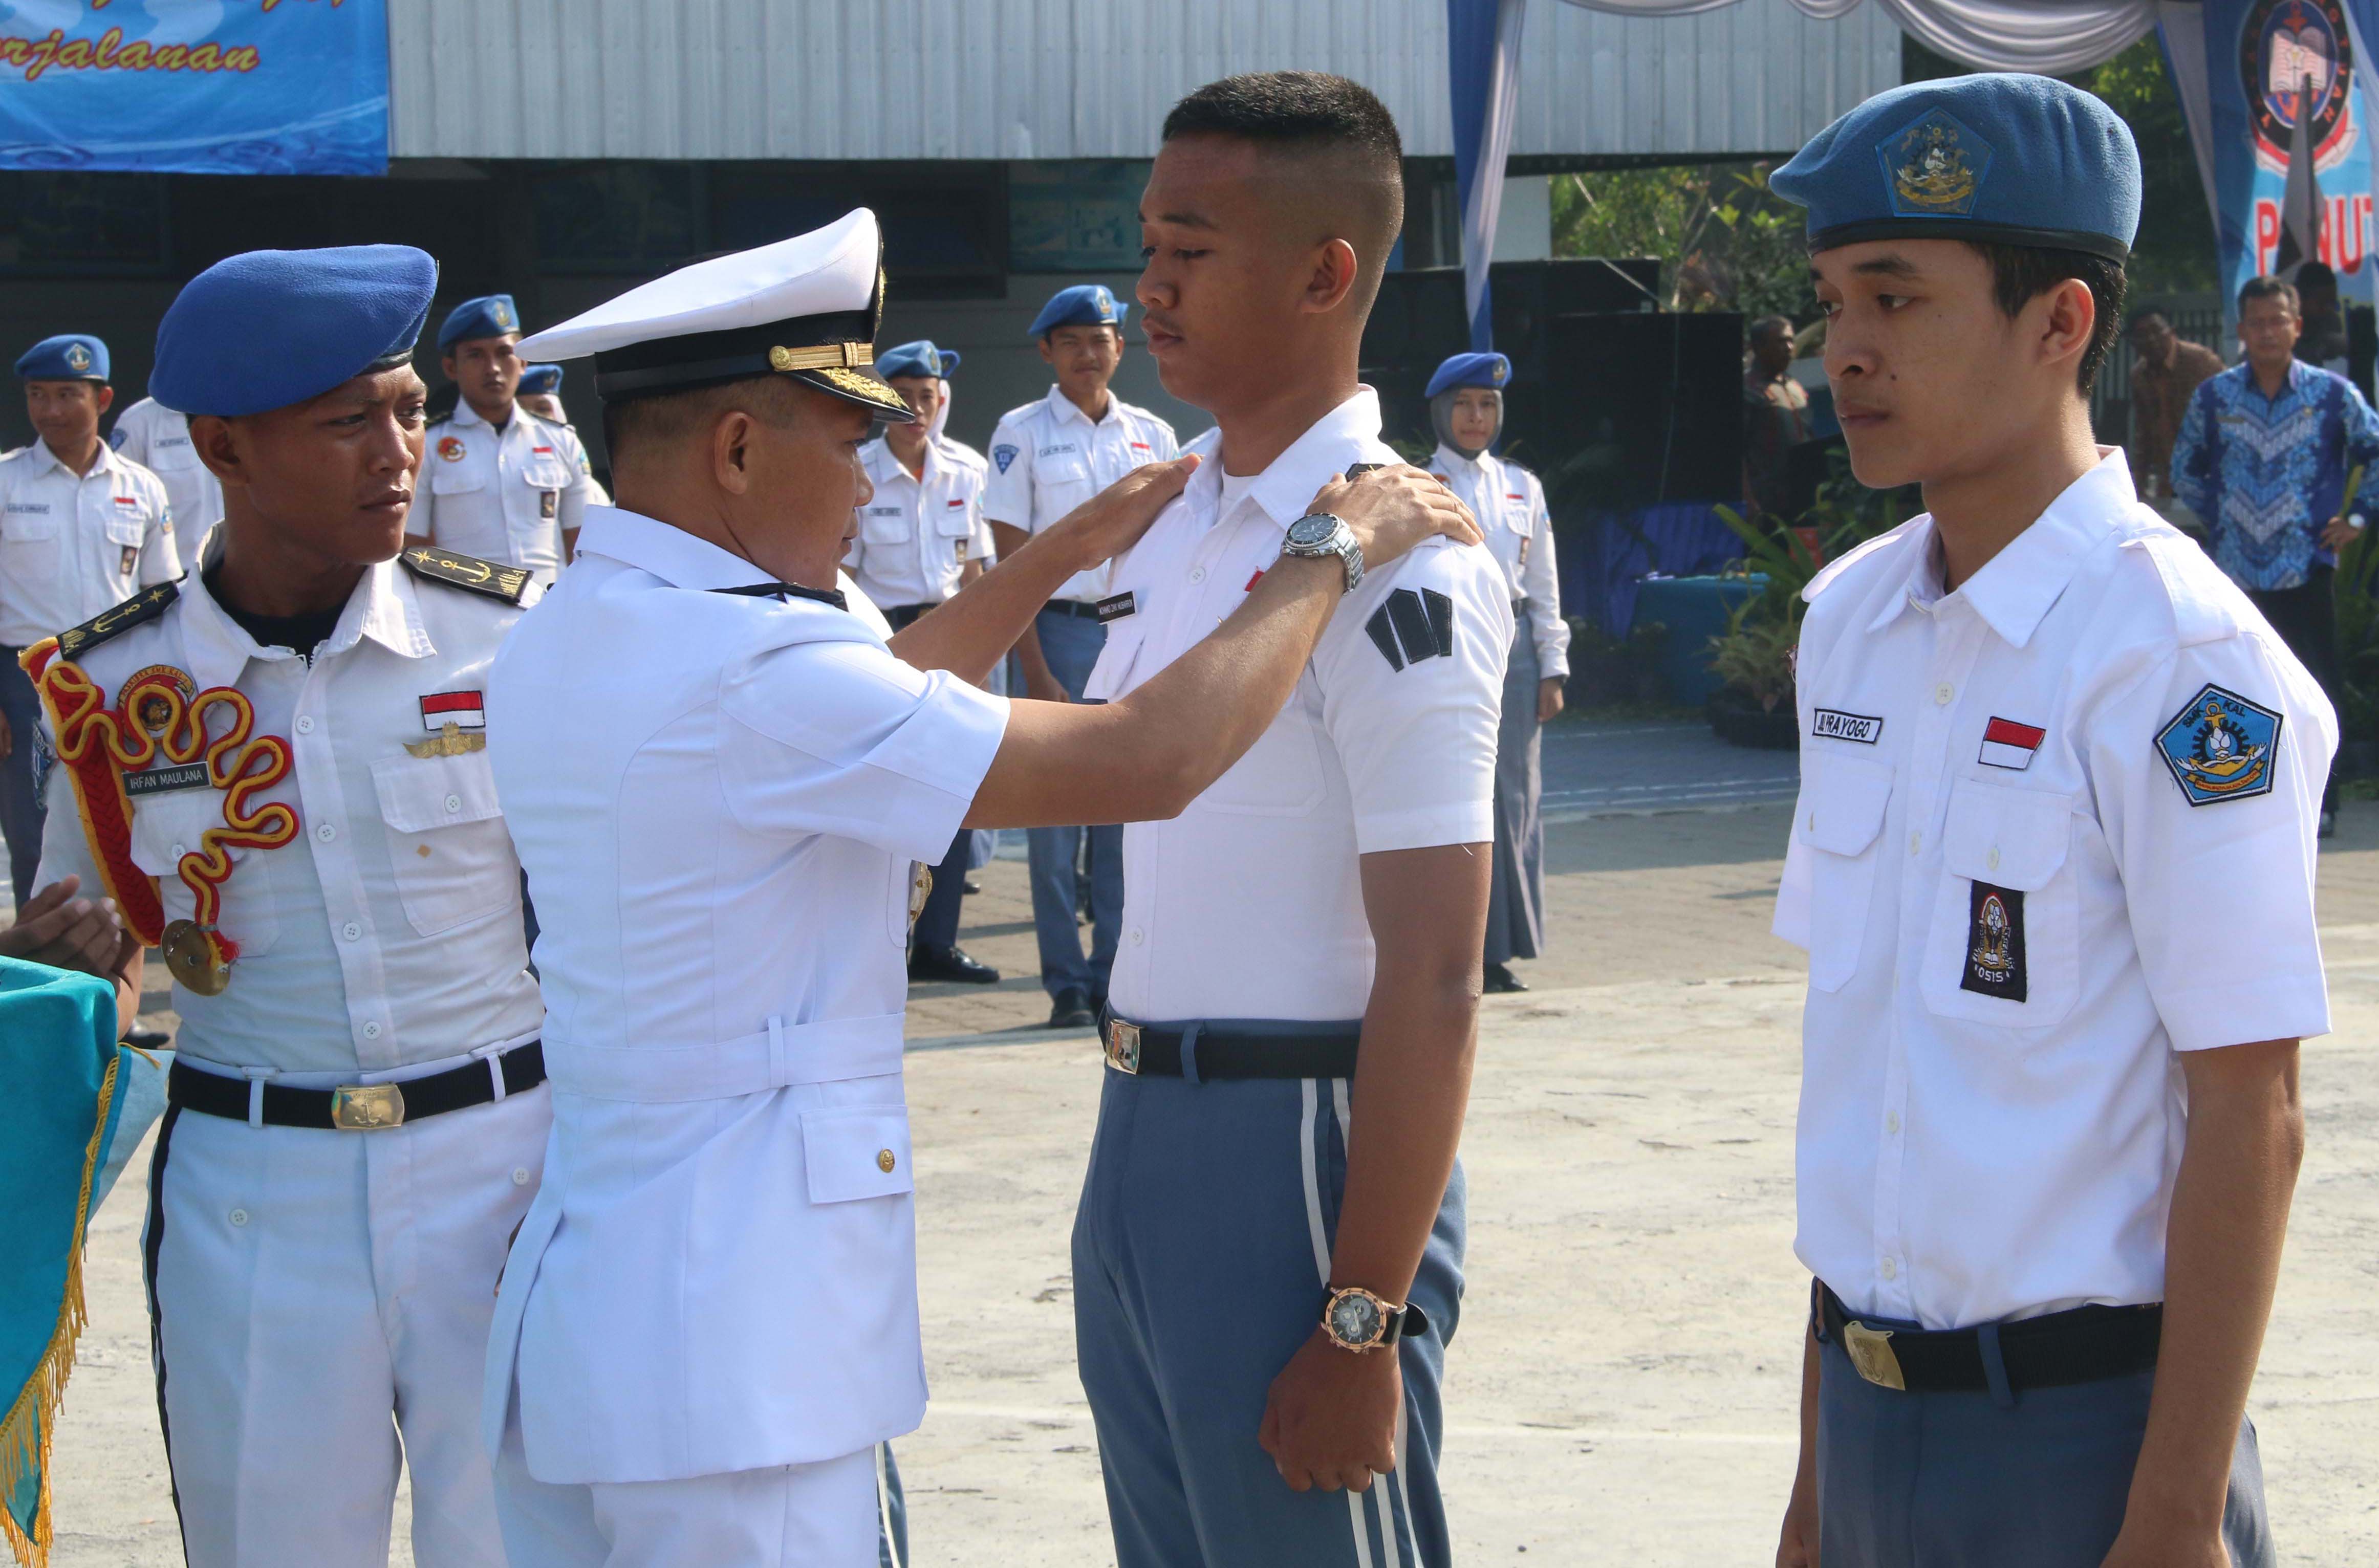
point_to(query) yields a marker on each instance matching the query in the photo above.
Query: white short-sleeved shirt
(1048, 457)
(507, 495)
(72, 546)
(1249, 905)
(387, 933)
(159, 439)
(1509, 502)
(917, 533)
(2053, 828)
(719, 1271)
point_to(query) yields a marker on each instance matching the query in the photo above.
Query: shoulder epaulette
(138, 610)
(459, 571)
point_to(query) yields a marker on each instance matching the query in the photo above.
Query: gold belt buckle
(1123, 1045)
(367, 1107)
(1871, 1353)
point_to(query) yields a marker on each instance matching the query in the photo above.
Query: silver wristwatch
(1319, 533)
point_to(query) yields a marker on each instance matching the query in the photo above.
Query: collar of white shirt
(883, 462)
(382, 607)
(1454, 462)
(465, 414)
(2016, 588)
(668, 552)
(108, 462)
(1287, 487)
(1063, 408)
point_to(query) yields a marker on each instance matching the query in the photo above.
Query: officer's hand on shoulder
(1112, 521)
(1391, 509)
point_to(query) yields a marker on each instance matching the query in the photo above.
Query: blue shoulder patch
(117, 437)
(1003, 454)
(2222, 747)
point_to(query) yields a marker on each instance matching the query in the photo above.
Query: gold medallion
(921, 888)
(193, 959)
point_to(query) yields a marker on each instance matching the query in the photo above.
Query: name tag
(1835, 725)
(1060, 450)
(1117, 607)
(162, 781)
(36, 508)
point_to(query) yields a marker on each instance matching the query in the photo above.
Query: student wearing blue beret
(2053, 865)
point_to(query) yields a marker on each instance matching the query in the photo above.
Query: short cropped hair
(1314, 113)
(2022, 273)
(2269, 288)
(1767, 324)
(672, 415)
(2145, 314)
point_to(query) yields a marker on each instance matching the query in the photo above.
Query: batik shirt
(2267, 474)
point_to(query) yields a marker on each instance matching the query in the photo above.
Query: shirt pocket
(29, 544)
(883, 525)
(2011, 841)
(545, 474)
(954, 522)
(857, 1151)
(1112, 676)
(459, 477)
(446, 840)
(124, 534)
(1065, 483)
(167, 827)
(1840, 818)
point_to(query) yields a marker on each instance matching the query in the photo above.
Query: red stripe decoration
(452, 702)
(2008, 732)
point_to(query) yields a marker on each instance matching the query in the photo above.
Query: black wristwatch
(1357, 1320)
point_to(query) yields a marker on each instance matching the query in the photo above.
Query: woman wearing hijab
(1466, 404)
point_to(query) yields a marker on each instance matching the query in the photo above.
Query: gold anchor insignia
(450, 742)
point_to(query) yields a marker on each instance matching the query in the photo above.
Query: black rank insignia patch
(468, 572)
(1413, 626)
(140, 609)
(1995, 960)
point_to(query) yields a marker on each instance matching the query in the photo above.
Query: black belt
(1075, 607)
(357, 1107)
(1328, 1051)
(2087, 1345)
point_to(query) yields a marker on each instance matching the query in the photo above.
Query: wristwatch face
(1310, 533)
(1355, 1319)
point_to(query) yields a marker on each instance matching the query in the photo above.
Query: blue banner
(2260, 56)
(195, 87)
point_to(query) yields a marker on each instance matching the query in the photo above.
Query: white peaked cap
(805, 307)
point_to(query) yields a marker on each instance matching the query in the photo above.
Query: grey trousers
(1515, 903)
(1954, 1480)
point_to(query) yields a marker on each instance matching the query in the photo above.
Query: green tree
(1724, 241)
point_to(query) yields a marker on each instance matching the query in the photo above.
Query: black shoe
(969, 886)
(1499, 978)
(1070, 1008)
(148, 1038)
(949, 963)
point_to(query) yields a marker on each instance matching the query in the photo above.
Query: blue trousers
(1072, 644)
(939, 925)
(20, 806)
(1957, 1480)
(1200, 1249)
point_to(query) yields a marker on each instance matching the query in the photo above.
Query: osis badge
(1995, 959)
(2221, 747)
(1934, 166)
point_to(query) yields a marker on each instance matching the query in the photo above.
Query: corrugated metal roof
(1077, 79)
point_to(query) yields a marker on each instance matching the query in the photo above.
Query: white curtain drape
(2053, 37)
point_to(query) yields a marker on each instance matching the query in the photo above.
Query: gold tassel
(32, 1421)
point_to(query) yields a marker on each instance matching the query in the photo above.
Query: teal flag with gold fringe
(59, 1058)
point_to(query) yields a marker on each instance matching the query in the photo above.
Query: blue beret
(490, 315)
(272, 328)
(1996, 158)
(919, 359)
(1084, 304)
(70, 356)
(1489, 370)
(542, 379)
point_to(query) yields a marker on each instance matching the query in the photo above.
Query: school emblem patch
(451, 448)
(1003, 454)
(2222, 747)
(77, 357)
(1995, 960)
(1934, 166)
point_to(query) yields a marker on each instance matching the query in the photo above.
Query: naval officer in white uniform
(709, 1320)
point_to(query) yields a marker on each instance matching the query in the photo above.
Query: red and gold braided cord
(98, 744)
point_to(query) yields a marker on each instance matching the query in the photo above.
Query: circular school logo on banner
(2284, 47)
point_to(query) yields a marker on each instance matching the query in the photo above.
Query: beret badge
(1934, 166)
(78, 356)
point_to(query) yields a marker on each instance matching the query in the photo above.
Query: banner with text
(197, 86)
(2262, 55)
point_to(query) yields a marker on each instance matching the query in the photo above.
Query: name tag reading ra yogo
(158, 739)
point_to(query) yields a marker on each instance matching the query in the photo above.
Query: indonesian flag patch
(2010, 745)
(464, 710)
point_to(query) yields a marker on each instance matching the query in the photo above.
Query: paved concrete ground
(1622, 1389)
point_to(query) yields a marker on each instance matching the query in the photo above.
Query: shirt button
(1916, 843)
(1991, 860)
(1198, 576)
(326, 833)
(1890, 1269)
(306, 724)
(1943, 692)
(885, 1160)
(454, 803)
(520, 1176)
(180, 849)
(1137, 935)
(371, 1031)
(1891, 1123)
(352, 931)
(238, 1216)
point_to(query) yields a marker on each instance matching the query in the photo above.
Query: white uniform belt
(782, 1053)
